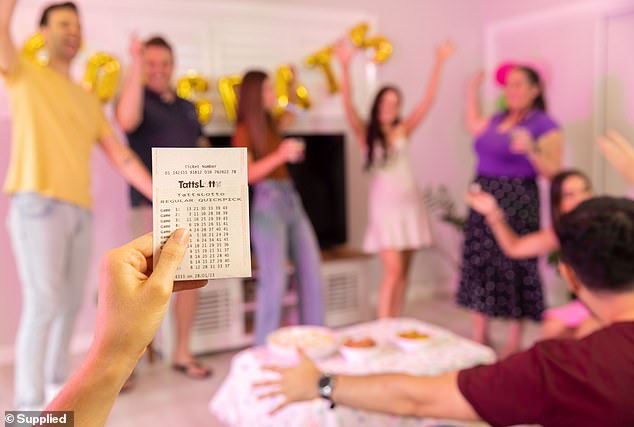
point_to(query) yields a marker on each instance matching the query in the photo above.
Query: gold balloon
(204, 110)
(381, 45)
(227, 86)
(357, 34)
(33, 49)
(101, 76)
(284, 75)
(322, 59)
(193, 87)
(303, 98)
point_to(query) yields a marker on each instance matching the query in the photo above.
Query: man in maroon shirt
(588, 382)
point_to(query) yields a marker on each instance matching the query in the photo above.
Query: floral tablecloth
(237, 404)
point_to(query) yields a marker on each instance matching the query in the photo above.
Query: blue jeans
(279, 228)
(52, 242)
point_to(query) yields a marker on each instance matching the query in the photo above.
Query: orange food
(413, 335)
(359, 343)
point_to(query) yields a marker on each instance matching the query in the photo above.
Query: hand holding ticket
(203, 190)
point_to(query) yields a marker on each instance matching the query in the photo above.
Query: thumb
(303, 357)
(170, 258)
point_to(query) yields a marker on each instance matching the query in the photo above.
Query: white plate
(316, 341)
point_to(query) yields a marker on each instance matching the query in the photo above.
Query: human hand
(132, 298)
(295, 384)
(135, 46)
(445, 50)
(522, 141)
(619, 152)
(343, 51)
(482, 202)
(292, 150)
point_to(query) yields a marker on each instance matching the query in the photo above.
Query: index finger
(142, 244)
(273, 368)
(618, 139)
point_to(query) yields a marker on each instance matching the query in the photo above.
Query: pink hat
(506, 66)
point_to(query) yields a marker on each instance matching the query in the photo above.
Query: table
(237, 405)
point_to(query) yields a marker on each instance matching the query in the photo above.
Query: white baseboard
(79, 345)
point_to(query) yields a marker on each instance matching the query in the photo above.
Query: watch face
(324, 381)
(325, 386)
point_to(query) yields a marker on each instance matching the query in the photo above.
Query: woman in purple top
(513, 147)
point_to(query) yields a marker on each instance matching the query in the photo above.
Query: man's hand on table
(295, 384)
(392, 393)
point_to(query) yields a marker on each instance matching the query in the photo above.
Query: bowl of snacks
(358, 349)
(317, 342)
(412, 340)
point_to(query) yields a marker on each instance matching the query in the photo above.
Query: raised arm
(129, 111)
(475, 122)
(344, 53)
(443, 52)
(527, 246)
(619, 153)
(8, 54)
(398, 394)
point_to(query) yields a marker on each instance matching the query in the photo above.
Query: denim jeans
(279, 229)
(52, 242)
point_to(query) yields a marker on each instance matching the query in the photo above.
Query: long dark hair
(374, 133)
(539, 103)
(251, 111)
(556, 191)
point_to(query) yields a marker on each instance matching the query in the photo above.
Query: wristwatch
(326, 386)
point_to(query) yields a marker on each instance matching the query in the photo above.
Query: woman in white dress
(397, 219)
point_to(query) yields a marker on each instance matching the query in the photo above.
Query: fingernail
(181, 235)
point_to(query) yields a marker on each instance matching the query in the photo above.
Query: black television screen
(321, 183)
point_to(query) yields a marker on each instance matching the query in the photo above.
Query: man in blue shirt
(153, 115)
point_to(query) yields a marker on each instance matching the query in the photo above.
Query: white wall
(441, 149)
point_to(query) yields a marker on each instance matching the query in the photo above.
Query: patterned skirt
(492, 283)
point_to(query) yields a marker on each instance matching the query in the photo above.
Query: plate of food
(412, 339)
(358, 349)
(317, 342)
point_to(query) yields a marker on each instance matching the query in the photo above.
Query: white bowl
(316, 341)
(412, 344)
(359, 354)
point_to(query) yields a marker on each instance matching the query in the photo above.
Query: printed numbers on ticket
(205, 191)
